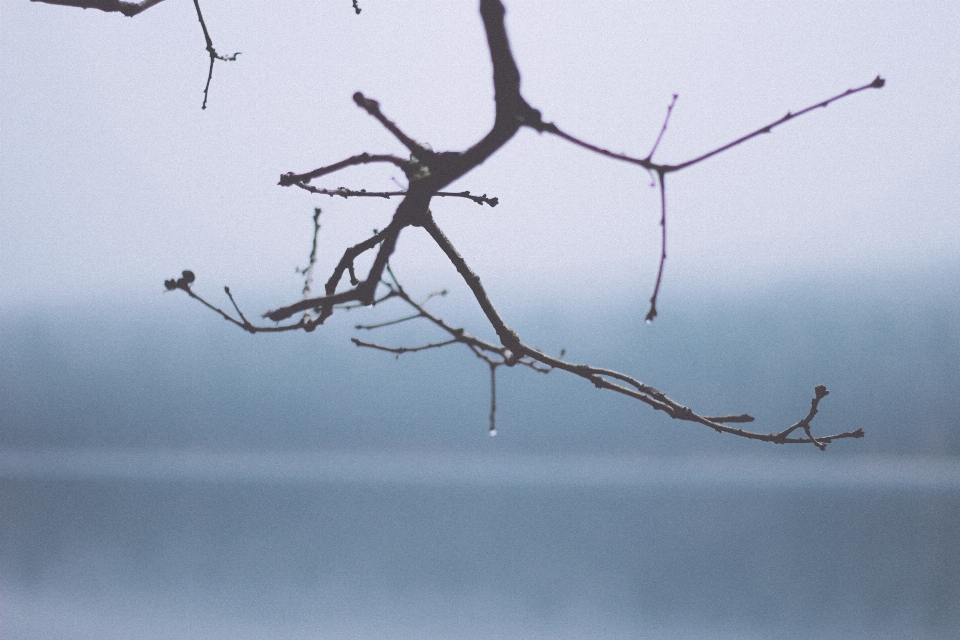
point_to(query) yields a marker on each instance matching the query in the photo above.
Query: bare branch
(663, 129)
(128, 9)
(876, 83)
(291, 178)
(428, 172)
(493, 398)
(214, 56)
(652, 313)
(401, 350)
(363, 193)
(380, 325)
(183, 283)
(507, 335)
(372, 107)
(308, 270)
(547, 127)
(602, 379)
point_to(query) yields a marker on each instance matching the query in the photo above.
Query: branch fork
(429, 172)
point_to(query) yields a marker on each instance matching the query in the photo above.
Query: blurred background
(163, 474)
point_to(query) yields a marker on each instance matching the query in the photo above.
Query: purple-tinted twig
(876, 83)
(548, 127)
(663, 129)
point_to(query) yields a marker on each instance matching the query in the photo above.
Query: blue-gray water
(163, 475)
(159, 545)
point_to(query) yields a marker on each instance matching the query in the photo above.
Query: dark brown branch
(363, 193)
(388, 323)
(508, 337)
(325, 303)
(663, 129)
(183, 283)
(493, 398)
(820, 393)
(421, 153)
(741, 418)
(128, 9)
(291, 178)
(600, 377)
(308, 270)
(246, 323)
(486, 351)
(547, 127)
(877, 83)
(652, 313)
(428, 172)
(401, 350)
(214, 56)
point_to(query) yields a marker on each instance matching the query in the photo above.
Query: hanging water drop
(493, 432)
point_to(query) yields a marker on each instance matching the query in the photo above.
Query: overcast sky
(114, 179)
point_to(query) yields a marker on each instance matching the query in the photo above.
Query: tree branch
(646, 163)
(291, 178)
(128, 9)
(343, 192)
(428, 173)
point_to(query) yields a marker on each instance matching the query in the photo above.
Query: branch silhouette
(428, 173)
(131, 9)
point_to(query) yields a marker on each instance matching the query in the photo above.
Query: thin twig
(363, 193)
(401, 350)
(234, 302)
(421, 153)
(493, 398)
(548, 127)
(214, 56)
(652, 313)
(663, 129)
(380, 325)
(308, 270)
(291, 178)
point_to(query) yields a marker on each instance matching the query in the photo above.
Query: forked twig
(214, 56)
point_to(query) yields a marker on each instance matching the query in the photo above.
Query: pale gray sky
(113, 179)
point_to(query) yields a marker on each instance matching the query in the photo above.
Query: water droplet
(493, 432)
(649, 320)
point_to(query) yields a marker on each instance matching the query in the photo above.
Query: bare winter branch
(428, 173)
(363, 193)
(128, 9)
